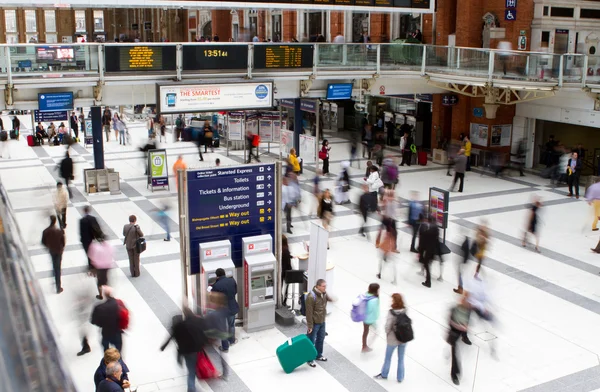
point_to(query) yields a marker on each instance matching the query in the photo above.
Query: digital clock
(203, 56)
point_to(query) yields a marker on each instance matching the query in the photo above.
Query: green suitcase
(295, 352)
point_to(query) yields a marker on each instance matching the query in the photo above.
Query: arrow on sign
(270, 193)
(269, 177)
(268, 210)
(269, 202)
(269, 185)
(269, 168)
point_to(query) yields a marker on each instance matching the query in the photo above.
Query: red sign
(246, 291)
(382, 90)
(208, 252)
(250, 246)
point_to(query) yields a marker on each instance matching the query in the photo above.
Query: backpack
(392, 173)
(123, 315)
(403, 328)
(303, 302)
(255, 141)
(359, 308)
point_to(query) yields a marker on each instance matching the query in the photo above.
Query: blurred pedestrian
(132, 233)
(460, 167)
(532, 222)
(389, 174)
(286, 265)
(363, 205)
(188, 332)
(388, 218)
(106, 316)
(66, 171)
(458, 325)
(316, 191)
(387, 247)
(61, 201)
(164, 219)
(371, 314)
(480, 247)
(592, 195)
(89, 230)
(290, 198)
(467, 148)
(53, 238)
(178, 165)
(405, 146)
(375, 184)
(101, 253)
(112, 355)
(465, 253)
(415, 209)
(396, 316)
(228, 287)
(326, 210)
(252, 141)
(429, 246)
(342, 189)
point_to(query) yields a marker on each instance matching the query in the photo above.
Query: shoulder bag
(140, 242)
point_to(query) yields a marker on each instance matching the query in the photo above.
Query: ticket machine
(214, 255)
(260, 274)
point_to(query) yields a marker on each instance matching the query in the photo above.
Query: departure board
(215, 57)
(420, 4)
(283, 56)
(405, 4)
(140, 58)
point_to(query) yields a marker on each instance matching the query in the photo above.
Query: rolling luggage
(422, 157)
(14, 134)
(295, 352)
(3, 136)
(30, 141)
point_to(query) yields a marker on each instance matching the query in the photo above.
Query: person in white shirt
(61, 200)
(374, 183)
(339, 39)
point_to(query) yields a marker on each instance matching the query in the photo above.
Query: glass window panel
(80, 21)
(98, 20)
(30, 21)
(10, 20)
(12, 38)
(50, 19)
(51, 38)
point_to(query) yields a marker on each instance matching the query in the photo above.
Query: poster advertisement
(207, 97)
(276, 131)
(265, 130)
(235, 128)
(438, 206)
(158, 168)
(501, 135)
(307, 148)
(479, 134)
(287, 141)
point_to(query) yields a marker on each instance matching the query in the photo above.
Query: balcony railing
(26, 63)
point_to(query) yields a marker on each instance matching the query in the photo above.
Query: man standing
(75, 124)
(429, 246)
(460, 166)
(132, 233)
(106, 119)
(316, 311)
(407, 142)
(60, 204)
(228, 288)
(573, 173)
(467, 152)
(66, 171)
(106, 316)
(592, 195)
(179, 126)
(458, 323)
(53, 238)
(89, 229)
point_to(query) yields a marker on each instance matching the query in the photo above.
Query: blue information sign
(339, 91)
(59, 115)
(511, 3)
(230, 203)
(308, 105)
(55, 101)
(510, 14)
(287, 103)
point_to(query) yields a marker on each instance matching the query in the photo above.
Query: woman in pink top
(101, 254)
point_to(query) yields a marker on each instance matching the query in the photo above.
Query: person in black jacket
(465, 250)
(112, 355)
(75, 124)
(228, 287)
(106, 316)
(188, 332)
(66, 171)
(574, 167)
(286, 264)
(89, 230)
(363, 205)
(429, 246)
(16, 124)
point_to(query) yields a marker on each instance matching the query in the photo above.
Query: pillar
(221, 24)
(290, 28)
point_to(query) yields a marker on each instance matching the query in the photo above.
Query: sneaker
(167, 239)
(426, 285)
(321, 358)
(312, 364)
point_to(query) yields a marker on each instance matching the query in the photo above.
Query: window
(98, 20)
(545, 39)
(589, 14)
(253, 23)
(50, 22)
(80, 21)
(561, 12)
(546, 10)
(30, 21)
(10, 21)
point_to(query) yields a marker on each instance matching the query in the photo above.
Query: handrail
(352, 58)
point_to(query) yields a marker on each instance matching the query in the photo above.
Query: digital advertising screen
(61, 54)
(140, 58)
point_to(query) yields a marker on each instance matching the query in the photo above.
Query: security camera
(359, 107)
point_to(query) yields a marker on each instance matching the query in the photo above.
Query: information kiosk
(260, 277)
(214, 255)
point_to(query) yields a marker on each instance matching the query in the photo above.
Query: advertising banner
(235, 128)
(276, 131)
(307, 148)
(230, 203)
(501, 135)
(438, 206)
(265, 130)
(287, 141)
(479, 134)
(214, 97)
(159, 175)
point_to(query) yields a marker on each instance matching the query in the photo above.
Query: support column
(221, 24)
(261, 25)
(290, 27)
(98, 137)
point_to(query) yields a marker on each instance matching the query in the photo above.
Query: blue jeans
(317, 336)
(231, 329)
(164, 221)
(389, 351)
(190, 364)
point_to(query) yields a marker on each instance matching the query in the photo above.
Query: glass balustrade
(33, 61)
(138, 59)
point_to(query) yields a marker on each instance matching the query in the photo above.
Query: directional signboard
(229, 203)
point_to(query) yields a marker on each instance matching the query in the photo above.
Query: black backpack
(403, 328)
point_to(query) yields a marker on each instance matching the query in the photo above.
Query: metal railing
(21, 63)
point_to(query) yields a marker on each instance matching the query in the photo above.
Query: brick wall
(290, 30)
(380, 27)
(445, 21)
(221, 24)
(336, 24)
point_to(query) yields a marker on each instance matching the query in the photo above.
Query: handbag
(140, 243)
(322, 154)
(205, 369)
